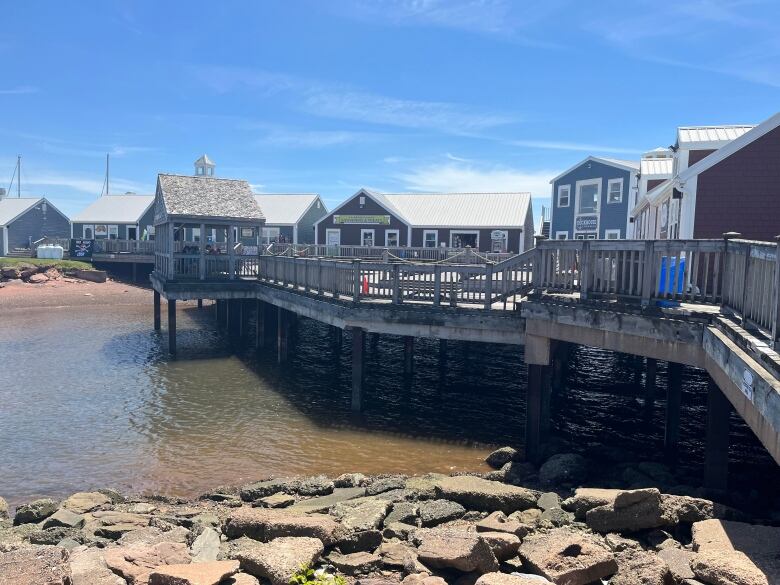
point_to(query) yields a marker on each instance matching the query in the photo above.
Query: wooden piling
(157, 311)
(716, 453)
(282, 337)
(358, 346)
(408, 354)
(536, 411)
(673, 399)
(172, 327)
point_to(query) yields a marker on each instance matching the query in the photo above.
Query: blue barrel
(663, 280)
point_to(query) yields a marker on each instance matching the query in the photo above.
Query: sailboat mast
(107, 176)
(18, 176)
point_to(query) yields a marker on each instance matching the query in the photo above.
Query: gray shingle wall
(306, 224)
(36, 223)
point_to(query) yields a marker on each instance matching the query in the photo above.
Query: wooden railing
(137, 247)
(416, 254)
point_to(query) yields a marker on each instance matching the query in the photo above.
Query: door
(367, 238)
(132, 233)
(333, 237)
(89, 232)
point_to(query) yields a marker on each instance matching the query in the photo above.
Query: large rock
(564, 469)
(324, 503)
(365, 514)
(393, 554)
(360, 541)
(406, 512)
(88, 567)
(55, 534)
(498, 522)
(35, 565)
(149, 535)
(358, 563)
(83, 502)
(276, 560)
(631, 511)
(500, 457)
(136, 562)
(265, 525)
(585, 499)
(687, 509)
(113, 525)
(514, 579)
(385, 485)
(38, 278)
(211, 573)
(481, 494)
(435, 512)
(456, 549)
(3, 509)
(11, 272)
(679, 563)
(567, 557)
(315, 486)
(729, 568)
(64, 517)
(261, 489)
(637, 567)
(205, 548)
(35, 511)
(503, 544)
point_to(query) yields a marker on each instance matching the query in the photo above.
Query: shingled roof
(185, 196)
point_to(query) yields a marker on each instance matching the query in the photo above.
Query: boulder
(35, 565)
(359, 563)
(500, 457)
(406, 512)
(276, 560)
(88, 567)
(679, 563)
(142, 508)
(631, 511)
(424, 486)
(518, 473)
(393, 554)
(54, 535)
(113, 525)
(324, 503)
(567, 557)
(316, 486)
(149, 535)
(241, 579)
(3, 509)
(35, 511)
(11, 272)
(210, 573)
(27, 272)
(422, 579)
(503, 544)
(690, 510)
(481, 494)
(729, 568)
(385, 485)
(564, 469)
(556, 517)
(83, 502)
(261, 489)
(366, 514)
(549, 500)
(53, 274)
(348, 480)
(205, 547)
(498, 522)
(38, 278)
(585, 499)
(265, 525)
(637, 567)
(514, 579)
(136, 562)
(398, 530)
(64, 517)
(360, 541)
(435, 512)
(456, 549)
(278, 500)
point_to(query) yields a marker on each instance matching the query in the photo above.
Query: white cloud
(34, 181)
(313, 138)
(573, 146)
(456, 177)
(19, 90)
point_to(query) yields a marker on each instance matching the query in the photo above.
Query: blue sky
(331, 96)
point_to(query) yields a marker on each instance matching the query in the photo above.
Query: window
(561, 235)
(391, 238)
(132, 233)
(588, 193)
(196, 234)
(430, 238)
(89, 232)
(367, 238)
(585, 237)
(612, 234)
(268, 235)
(615, 191)
(564, 192)
(362, 201)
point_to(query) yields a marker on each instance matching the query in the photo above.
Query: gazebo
(200, 223)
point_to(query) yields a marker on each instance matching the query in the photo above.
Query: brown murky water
(89, 399)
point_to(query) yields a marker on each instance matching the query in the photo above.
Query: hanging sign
(497, 235)
(586, 223)
(362, 219)
(81, 248)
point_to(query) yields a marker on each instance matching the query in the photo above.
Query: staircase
(20, 253)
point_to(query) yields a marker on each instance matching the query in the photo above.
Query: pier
(711, 304)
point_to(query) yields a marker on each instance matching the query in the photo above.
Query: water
(88, 399)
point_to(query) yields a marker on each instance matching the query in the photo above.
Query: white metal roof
(205, 161)
(627, 165)
(461, 209)
(285, 208)
(13, 207)
(115, 209)
(707, 137)
(656, 167)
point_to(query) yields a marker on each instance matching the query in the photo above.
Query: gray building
(290, 217)
(498, 222)
(116, 217)
(592, 200)
(28, 219)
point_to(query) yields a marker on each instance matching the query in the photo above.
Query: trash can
(678, 277)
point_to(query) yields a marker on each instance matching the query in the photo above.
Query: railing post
(724, 290)
(585, 270)
(648, 272)
(776, 298)
(747, 287)
(536, 270)
(396, 285)
(231, 253)
(357, 282)
(436, 285)
(201, 249)
(386, 256)
(488, 286)
(319, 276)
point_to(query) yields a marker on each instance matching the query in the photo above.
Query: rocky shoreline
(376, 530)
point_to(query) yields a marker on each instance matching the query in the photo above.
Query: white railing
(413, 254)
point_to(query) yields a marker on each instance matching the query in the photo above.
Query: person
(209, 250)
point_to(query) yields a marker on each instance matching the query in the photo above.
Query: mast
(18, 176)
(107, 176)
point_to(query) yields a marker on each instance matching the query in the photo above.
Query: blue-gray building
(116, 217)
(26, 220)
(592, 200)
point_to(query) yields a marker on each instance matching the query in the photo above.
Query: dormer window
(362, 201)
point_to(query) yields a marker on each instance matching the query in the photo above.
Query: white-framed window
(464, 238)
(588, 196)
(362, 201)
(392, 238)
(430, 238)
(585, 236)
(113, 232)
(89, 232)
(562, 235)
(612, 234)
(564, 195)
(615, 191)
(367, 237)
(269, 235)
(333, 237)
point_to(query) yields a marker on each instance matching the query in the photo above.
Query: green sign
(362, 219)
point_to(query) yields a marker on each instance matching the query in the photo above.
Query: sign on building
(362, 219)
(586, 223)
(81, 248)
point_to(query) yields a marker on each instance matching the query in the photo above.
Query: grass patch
(59, 264)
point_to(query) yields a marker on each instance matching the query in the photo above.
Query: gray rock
(69, 543)
(564, 469)
(393, 554)
(276, 560)
(557, 517)
(324, 503)
(435, 512)
(423, 487)
(406, 512)
(261, 489)
(385, 485)
(316, 486)
(500, 457)
(549, 500)
(3, 509)
(205, 548)
(585, 499)
(519, 473)
(359, 563)
(503, 544)
(64, 517)
(498, 522)
(52, 536)
(631, 511)
(83, 502)
(278, 500)
(142, 508)
(476, 493)
(35, 511)
(366, 514)
(361, 541)
(398, 530)
(679, 563)
(456, 549)
(636, 567)
(348, 480)
(266, 525)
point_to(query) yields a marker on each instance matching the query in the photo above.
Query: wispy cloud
(455, 177)
(37, 180)
(62, 147)
(313, 139)
(19, 90)
(573, 146)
